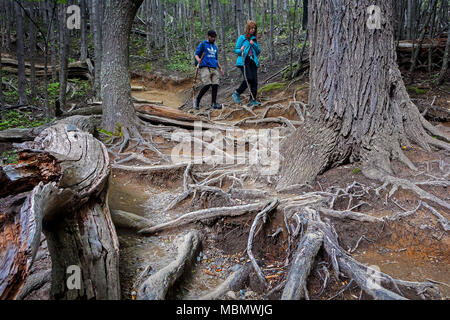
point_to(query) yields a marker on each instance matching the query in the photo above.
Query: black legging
(251, 71)
(202, 92)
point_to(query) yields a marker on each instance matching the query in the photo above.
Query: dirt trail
(415, 248)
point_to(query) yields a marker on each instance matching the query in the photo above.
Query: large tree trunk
(359, 107)
(117, 103)
(59, 187)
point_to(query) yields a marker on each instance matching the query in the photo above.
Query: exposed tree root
(261, 215)
(157, 285)
(234, 282)
(302, 264)
(205, 214)
(123, 219)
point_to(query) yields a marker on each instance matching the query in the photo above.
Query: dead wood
(68, 205)
(234, 282)
(157, 285)
(302, 264)
(123, 219)
(205, 214)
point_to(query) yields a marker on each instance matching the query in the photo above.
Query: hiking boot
(216, 106)
(254, 103)
(236, 98)
(196, 105)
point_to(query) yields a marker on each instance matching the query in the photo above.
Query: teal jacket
(241, 41)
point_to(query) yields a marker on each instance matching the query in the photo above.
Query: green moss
(9, 157)
(272, 86)
(15, 119)
(417, 90)
(356, 171)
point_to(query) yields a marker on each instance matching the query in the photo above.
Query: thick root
(157, 285)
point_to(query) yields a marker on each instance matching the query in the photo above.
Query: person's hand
(198, 59)
(242, 48)
(251, 42)
(221, 71)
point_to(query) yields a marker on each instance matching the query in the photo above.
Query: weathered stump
(59, 187)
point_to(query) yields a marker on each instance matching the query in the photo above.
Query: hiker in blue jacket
(206, 55)
(247, 49)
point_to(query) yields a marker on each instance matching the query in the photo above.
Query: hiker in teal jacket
(247, 49)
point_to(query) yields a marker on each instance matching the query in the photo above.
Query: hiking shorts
(209, 75)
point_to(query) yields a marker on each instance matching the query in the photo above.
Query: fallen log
(85, 123)
(157, 285)
(68, 205)
(165, 112)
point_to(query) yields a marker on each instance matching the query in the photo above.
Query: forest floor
(414, 247)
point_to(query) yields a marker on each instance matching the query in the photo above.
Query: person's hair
(212, 33)
(250, 24)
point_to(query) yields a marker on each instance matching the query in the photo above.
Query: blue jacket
(241, 41)
(210, 58)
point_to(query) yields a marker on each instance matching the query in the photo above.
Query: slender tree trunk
(97, 33)
(7, 6)
(444, 69)
(305, 15)
(358, 103)
(84, 44)
(237, 18)
(416, 51)
(2, 99)
(148, 38)
(118, 107)
(63, 57)
(33, 52)
(53, 46)
(271, 46)
(202, 15)
(223, 40)
(20, 54)
(212, 14)
(164, 29)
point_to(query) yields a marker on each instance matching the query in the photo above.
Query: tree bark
(64, 174)
(272, 49)
(22, 86)
(33, 52)
(117, 103)
(63, 58)
(444, 68)
(96, 25)
(83, 35)
(2, 100)
(359, 107)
